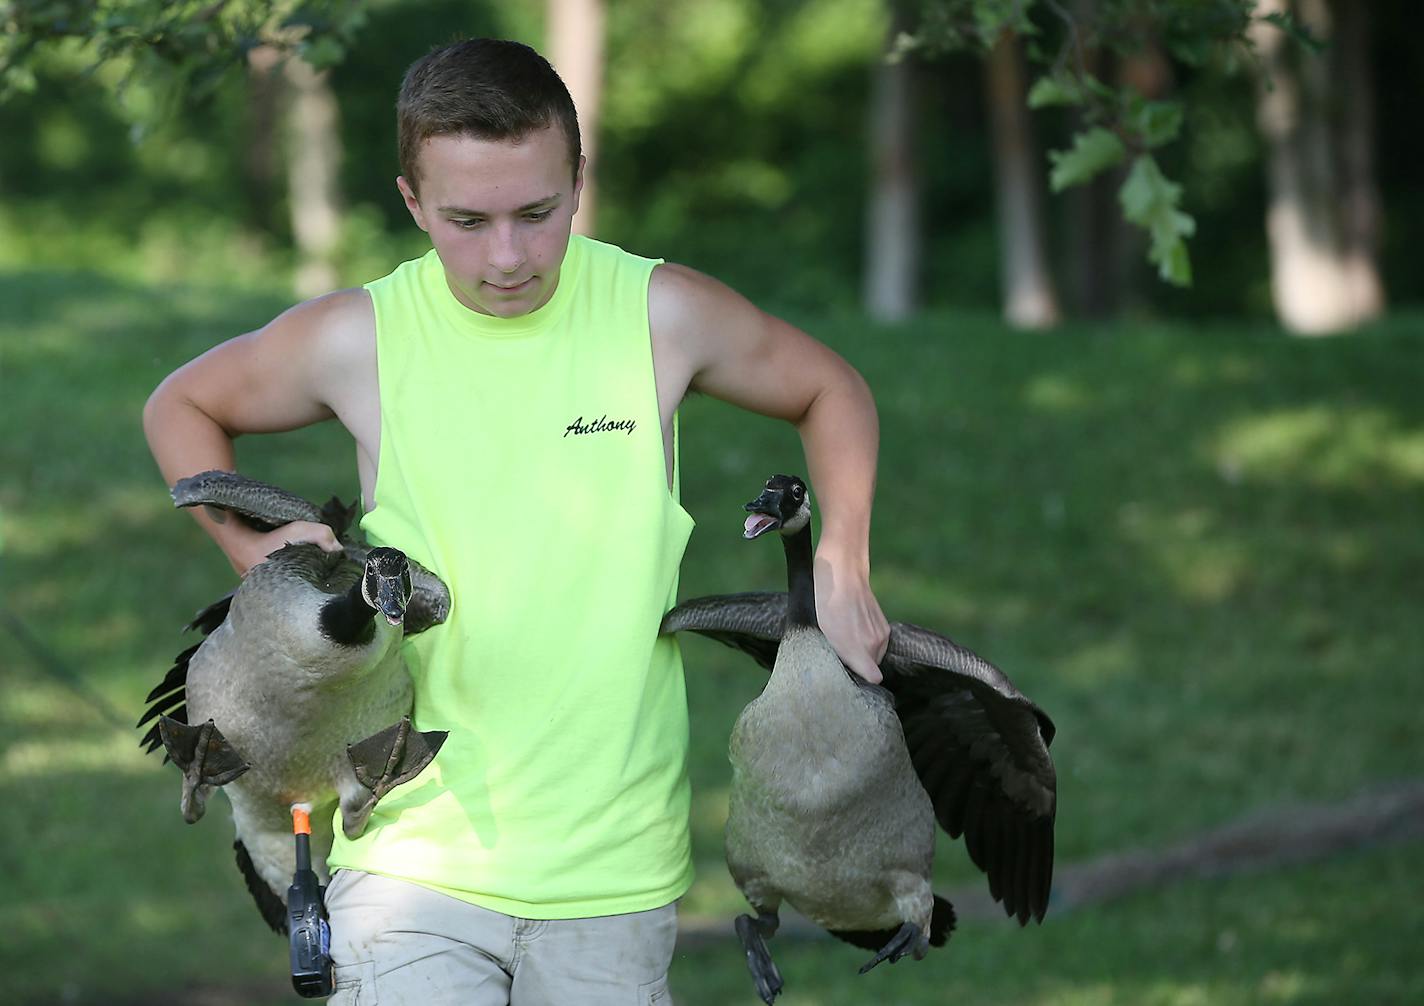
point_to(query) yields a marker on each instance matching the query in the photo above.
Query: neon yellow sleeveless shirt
(522, 460)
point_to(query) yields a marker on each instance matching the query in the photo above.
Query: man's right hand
(249, 550)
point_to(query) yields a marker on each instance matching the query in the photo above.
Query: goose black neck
(800, 579)
(347, 620)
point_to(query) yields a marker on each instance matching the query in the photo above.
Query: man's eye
(536, 217)
(467, 225)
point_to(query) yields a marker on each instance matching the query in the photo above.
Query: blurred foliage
(180, 50)
(734, 139)
(1117, 122)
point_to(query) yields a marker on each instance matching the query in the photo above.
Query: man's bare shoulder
(679, 293)
(313, 361)
(333, 325)
(693, 316)
(722, 344)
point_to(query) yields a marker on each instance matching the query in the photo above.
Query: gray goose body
(302, 680)
(291, 701)
(826, 810)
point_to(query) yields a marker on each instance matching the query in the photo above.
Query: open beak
(765, 511)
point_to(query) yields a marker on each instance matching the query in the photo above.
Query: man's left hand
(850, 617)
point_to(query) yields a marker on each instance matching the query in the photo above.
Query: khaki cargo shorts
(400, 944)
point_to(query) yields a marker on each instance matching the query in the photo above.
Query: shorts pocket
(355, 984)
(654, 993)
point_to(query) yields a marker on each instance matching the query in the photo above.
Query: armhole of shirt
(369, 506)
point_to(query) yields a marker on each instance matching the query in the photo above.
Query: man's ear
(412, 203)
(578, 180)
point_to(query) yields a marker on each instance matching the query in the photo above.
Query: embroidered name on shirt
(600, 425)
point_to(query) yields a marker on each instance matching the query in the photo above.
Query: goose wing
(752, 622)
(979, 746)
(170, 697)
(263, 506)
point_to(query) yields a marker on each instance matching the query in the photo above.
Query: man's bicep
(266, 381)
(747, 357)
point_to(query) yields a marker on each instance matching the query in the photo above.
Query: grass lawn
(1197, 548)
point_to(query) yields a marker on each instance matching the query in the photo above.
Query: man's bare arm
(711, 339)
(280, 377)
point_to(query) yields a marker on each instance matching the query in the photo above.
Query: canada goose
(298, 694)
(837, 783)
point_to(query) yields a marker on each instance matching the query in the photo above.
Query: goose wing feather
(979, 746)
(170, 697)
(267, 507)
(263, 506)
(752, 622)
(981, 749)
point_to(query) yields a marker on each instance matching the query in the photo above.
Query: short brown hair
(489, 88)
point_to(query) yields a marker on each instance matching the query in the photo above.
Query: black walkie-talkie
(308, 933)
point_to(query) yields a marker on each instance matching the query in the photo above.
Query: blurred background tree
(774, 145)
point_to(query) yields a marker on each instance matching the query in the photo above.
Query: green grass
(1197, 548)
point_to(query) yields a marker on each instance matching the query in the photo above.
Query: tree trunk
(1029, 299)
(313, 181)
(892, 245)
(261, 160)
(575, 31)
(1323, 275)
(1359, 193)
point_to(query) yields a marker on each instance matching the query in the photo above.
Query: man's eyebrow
(460, 211)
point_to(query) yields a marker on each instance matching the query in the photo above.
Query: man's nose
(507, 250)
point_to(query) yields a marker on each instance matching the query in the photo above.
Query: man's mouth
(516, 288)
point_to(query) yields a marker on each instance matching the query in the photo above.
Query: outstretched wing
(979, 746)
(170, 698)
(752, 622)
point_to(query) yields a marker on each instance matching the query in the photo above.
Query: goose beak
(391, 599)
(765, 515)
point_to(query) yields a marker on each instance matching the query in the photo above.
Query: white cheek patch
(803, 515)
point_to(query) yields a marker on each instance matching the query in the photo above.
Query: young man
(512, 395)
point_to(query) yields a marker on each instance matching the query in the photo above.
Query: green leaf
(1093, 150)
(18, 80)
(1048, 91)
(992, 17)
(1296, 29)
(1150, 201)
(324, 53)
(1157, 122)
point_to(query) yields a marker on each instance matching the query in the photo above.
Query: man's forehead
(468, 173)
(483, 209)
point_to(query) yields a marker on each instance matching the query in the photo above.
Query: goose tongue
(758, 524)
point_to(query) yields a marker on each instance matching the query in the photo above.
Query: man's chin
(511, 303)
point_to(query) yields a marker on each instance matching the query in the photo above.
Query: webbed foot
(206, 757)
(382, 762)
(907, 940)
(753, 932)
